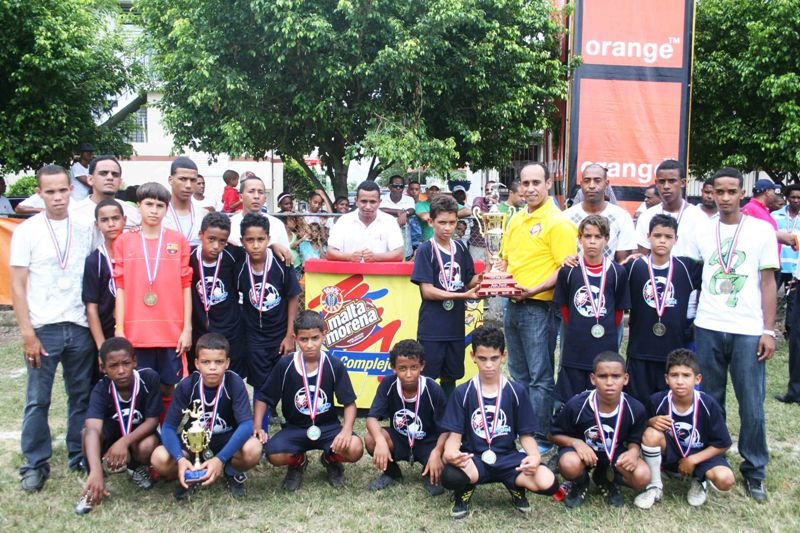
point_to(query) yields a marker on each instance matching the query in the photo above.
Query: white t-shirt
(32, 247)
(690, 223)
(740, 311)
(82, 212)
(34, 201)
(79, 190)
(623, 234)
(405, 202)
(189, 224)
(5, 206)
(350, 234)
(277, 230)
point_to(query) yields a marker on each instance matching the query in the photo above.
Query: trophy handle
(476, 212)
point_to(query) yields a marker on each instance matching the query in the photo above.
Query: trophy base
(193, 476)
(498, 284)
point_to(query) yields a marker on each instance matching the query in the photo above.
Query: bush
(23, 187)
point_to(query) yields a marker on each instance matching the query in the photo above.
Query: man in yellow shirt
(537, 240)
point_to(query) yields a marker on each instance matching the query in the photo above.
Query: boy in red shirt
(154, 299)
(231, 200)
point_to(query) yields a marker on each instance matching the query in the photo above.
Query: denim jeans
(73, 347)
(717, 352)
(531, 340)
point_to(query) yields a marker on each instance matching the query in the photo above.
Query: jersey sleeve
(380, 404)
(563, 421)
(98, 401)
(527, 424)
(153, 405)
(119, 261)
(343, 387)
(423, 266)
(622, 294)
(20, 253)
(638, 421)
(291, 287)
(90, 291)
(454, 419)
(186, 269)
(242, 411)
(469, 266)
(561, 294)
(769, 258)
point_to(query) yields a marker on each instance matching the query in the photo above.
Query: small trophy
(494, 282)
(196, 439)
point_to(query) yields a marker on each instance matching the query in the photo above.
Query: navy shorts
(293, 439)
(673, 457)
(645, 378)
(503, 471)
(443, 359)
(571, 381)
(260, 362)
(602, 462)
(165, 361)
(401, 451)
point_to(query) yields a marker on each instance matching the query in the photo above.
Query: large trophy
(196, 439)
(492, 225)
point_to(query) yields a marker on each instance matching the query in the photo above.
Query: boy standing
(231, 201)
(484, 417)
(687, 433)
(184, 213)
(414, 404)
(305, 383)
(445, 273)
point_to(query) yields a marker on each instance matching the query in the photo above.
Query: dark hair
(708, 181)
(340, 198)
(791, 188)
(598, 221)
(182, 162)
(93, 162)
(654, 188)
(607, 357)
(212, 341)
(215, 219)
(728, 172)
(153, 191)
(682, 357)
(489, 337)
(443, 204)
(368, 186)
(663, 220)
(414, 182)
(406, 348)
(308, 320)
(50, 170)
(230, 175)
(246, 179)
(130, 193)
(671, 164)
(254, 220)
(514, 186)
(396, 176)
(116, 344)
(107, 203)
(537, 164)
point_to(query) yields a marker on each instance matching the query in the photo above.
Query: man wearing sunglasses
(400, 206)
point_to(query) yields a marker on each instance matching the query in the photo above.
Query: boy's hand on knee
(434, 467)
(459, 459)
(214, 468)
(117, 455)
(627, 461)
(261, 435)
(342, 441)
(661, 423)
(382, 456)
(529, 465)
(686, 466)
(585, 453)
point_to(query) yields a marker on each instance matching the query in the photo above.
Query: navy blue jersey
(223, 297)
(148, 401)
(580, 347)
(281, 287)
(389, 403)
(710, 431)
(686, 277)
(99, 289)
(515, 418)
(233, 409)
(285, 385)
(576, 419)
(436, 323)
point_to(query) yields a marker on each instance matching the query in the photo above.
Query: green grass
(407, 506)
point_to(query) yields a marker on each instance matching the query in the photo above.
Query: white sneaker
(697, 494)
(650, 496)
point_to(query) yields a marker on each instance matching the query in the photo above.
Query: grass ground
(405, 506)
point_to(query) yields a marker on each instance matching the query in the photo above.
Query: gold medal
(150, 298)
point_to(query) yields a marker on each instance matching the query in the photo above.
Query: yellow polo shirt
(535, 244)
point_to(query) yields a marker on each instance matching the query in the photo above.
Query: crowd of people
(170, 307)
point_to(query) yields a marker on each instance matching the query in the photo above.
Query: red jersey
(229, 197)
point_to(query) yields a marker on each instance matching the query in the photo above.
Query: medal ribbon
(489, 434)
(451, 276)
(262, 292)
(726, 262)
(104, 253)
(597, 306)
(206, 296)
(661, 305)
(125, 428)
(312, 405)
(610, 452)
(411, 438)
(680, 213)
(174, 215)
(151, 275)
(210, 425)
(63, 257)
(694, 422)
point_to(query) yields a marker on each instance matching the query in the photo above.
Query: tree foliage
(421, 83)
(746, 88)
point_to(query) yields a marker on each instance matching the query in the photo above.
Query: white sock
(652, 457)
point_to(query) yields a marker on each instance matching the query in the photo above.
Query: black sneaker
(755, 489)
(433, 490)
(577, 493)
(235, 484)
(181, 493)
(294, 476)
(33, 480)
(84, 505)
(608, 488)
(141, 477)
(461, 503)
(519, 500)
(335, 472)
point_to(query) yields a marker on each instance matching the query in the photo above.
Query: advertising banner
(7, 226)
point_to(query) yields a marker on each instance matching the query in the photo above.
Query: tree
(62, 66)
(746, 87)
(420, 83)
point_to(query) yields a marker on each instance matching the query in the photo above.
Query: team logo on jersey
(217, 292)
(649, 295)
(403, 419)
(302, 402)
(458, 284)
(137, 416)
(476, 422)
(220, 425)
(172, 248)
(535, 230)
(582, 303)
(272, 298)
(687, 435)
(594, 439)
(331, 299)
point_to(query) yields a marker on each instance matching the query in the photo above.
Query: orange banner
(7, 226)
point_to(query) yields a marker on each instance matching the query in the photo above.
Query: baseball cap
(458, 188)
(764, 185)
(85, 147)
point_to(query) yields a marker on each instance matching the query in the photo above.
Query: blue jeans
(719, 351)
(73, 347)
(531, 340)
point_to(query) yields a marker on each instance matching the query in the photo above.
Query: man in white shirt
(400, 207)
(79, 173)
(47, 257)
(594, 183)
(184, 214)
(5, 205)
(366, 234)
(254, 194)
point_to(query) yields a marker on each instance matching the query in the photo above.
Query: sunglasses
(396, 186)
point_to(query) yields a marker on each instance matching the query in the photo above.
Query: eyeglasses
(396, 186)
(107, 172)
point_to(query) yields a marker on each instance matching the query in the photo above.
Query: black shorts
(293, 439)
(443, 359)
(401, 451)
(260, 362)
(645, 378)
(165, 361)
(571, 381)
(672, 457)
(503, 471)
(602, 463)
